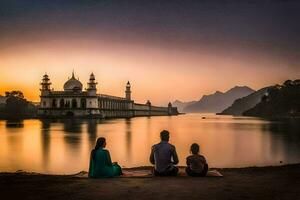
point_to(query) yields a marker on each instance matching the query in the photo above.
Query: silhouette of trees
(15, 93)
(17, 106)
(281, 101)
(264, 98)
(287, 83)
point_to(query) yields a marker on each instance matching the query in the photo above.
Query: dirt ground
(281, 182)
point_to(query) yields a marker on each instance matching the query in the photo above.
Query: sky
(168, 50)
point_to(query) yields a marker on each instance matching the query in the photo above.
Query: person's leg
(205, 170)
(189, 171)
(176, 170)
(169, 172)
(195, 174)
(117, 170)
(156, 173)
(173, 171)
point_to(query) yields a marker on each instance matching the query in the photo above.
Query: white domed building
(73, 101)
(73, 84)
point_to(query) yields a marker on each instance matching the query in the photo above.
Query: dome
(73, 84)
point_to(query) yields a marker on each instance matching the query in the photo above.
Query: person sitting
(196, 163)
(100, 162)
(164, 157)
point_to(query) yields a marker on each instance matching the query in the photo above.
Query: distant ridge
(181, 105)
(245, 103)
(216, 102)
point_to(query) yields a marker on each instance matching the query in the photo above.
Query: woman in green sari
(100, 162)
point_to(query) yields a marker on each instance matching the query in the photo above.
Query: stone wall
(57, 112)
(103, 107)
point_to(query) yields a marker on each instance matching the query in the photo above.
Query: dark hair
(195, 148)
(164, 135)
(100, 142)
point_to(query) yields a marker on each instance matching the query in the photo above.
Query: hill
(281, 101)
(218, 101)
(245, 103)
(181, 105)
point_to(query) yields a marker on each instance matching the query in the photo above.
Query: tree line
(16, 106)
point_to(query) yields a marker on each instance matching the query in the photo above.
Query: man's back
(163, 155)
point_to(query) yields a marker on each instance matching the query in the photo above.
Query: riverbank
(281, 182)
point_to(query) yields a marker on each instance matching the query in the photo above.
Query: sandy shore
(282, 182)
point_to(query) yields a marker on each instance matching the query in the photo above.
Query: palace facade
(74, 101)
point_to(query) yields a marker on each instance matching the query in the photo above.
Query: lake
(63, 146)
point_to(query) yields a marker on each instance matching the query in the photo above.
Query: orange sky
(158, 74)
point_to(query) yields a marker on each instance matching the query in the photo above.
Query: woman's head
(101, 142)
(195, 148)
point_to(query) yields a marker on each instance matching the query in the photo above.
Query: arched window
(62, 103)
(74, 103)
(67, 104)
(83, 103)
(54, 103)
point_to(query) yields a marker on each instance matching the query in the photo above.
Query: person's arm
(152, 160)
(109, 163)
(91, 167)
(204, 160)
(188, 161)
(174, 155)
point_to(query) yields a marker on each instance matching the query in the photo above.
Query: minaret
(45, 85)
(128, 91)
(92, 90)
(170, 108)
(148, 103)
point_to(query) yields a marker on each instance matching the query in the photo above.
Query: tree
(17, 106)
(287, 83)
(265, 98)
(15, 93)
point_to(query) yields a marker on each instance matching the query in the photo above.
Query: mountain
(245, 103)
(281, 101)
(181, 105)
(218, 101)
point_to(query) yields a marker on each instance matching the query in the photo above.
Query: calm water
(63, 146)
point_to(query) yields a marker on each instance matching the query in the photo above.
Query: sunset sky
(168, 50)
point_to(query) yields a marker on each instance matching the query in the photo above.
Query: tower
(92, 89)
(148, 103)
(170, 108)
(45, 85)
(128, 91)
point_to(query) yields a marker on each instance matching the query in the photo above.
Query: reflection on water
(63, 146)
(14, 124)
